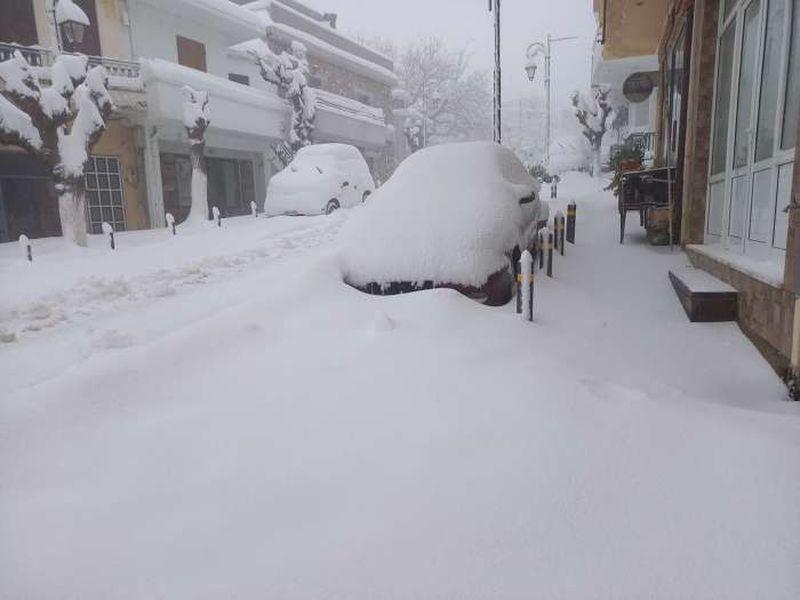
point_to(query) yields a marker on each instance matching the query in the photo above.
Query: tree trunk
(72, 211)
(596, 163)
(199, 210)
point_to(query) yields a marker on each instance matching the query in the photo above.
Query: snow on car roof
(336, 150)
(450, 213)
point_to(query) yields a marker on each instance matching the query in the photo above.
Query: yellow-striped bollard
(572, 210)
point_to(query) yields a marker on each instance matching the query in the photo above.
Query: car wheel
(331, 206)
(365, 196)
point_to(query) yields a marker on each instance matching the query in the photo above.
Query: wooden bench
(704, 297)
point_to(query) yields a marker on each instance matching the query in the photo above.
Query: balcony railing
(349, 107)
(42, 57)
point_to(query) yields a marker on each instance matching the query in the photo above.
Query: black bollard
(518, 284)
(113, 245)
(30, 253)
(550, 254)
(541, 246)
(572, 209)
(560, 234)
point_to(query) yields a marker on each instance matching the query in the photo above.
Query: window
(243, 79)
(724, 76)
(104, 193)
(191, 53)
(747, 75)
(18, 24)
(770, 79)
(789, 129)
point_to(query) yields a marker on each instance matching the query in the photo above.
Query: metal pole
(497, 91)
(547, 100)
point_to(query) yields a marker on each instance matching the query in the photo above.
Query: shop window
(104, 191)
(191, 53)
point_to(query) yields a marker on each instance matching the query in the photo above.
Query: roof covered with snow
(223, 14)
(450, 213)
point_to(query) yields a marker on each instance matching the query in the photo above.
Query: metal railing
(349, 106)
(42, 57)
(642, 139)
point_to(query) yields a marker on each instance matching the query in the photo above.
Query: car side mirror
(345, 184)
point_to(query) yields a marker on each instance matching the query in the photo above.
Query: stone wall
(698, 121)
(765, 312)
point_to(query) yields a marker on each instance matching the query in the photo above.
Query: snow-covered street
(218, 415)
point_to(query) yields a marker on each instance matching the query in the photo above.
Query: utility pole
(494, 5)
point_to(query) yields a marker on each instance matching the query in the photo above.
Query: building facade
(727, 121)
(141, 168)
(115, 185)
(626, 52)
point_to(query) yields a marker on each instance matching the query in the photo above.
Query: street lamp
(533, 51)
(70, 21)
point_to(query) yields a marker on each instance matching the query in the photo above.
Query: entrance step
(704, 297)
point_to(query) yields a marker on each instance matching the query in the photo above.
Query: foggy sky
(468, 23)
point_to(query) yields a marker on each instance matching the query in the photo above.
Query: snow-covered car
(451, 216)
(320, 179)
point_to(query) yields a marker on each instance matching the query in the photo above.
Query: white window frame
(778, 158)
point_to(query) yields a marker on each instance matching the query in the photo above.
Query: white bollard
(253, 209)
(109, 231)
(25, 243)
(217, 218)
(170, 222)
(526, 270)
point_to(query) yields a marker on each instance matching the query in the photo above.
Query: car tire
(331, 206)
(365, 196)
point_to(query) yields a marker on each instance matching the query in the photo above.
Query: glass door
(751, 157)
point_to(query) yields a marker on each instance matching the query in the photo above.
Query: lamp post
(534, 50)
(70, 22)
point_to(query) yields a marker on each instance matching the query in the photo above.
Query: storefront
(754, 127)
(231, 184)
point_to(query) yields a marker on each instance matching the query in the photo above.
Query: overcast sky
(468, 23)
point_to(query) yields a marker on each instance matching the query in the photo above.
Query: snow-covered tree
(290, 71)
(196, 119)
(445, 99)
(592, 111)
(57, 124)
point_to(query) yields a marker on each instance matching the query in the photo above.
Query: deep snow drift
(272, 432)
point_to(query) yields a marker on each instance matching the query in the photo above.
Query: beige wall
(630, 27)
(119, 141)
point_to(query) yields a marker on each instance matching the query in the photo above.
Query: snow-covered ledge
(765, 271)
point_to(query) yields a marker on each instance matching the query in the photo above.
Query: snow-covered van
(320, 179)
(451, 215)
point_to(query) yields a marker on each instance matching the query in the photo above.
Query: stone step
(704, 297)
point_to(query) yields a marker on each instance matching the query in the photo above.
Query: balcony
(42, 57)
(349, 107)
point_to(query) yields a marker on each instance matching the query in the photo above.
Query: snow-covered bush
(450, 214)
(289, 71)
(196, 119)
(592, 111)
(57, 124)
